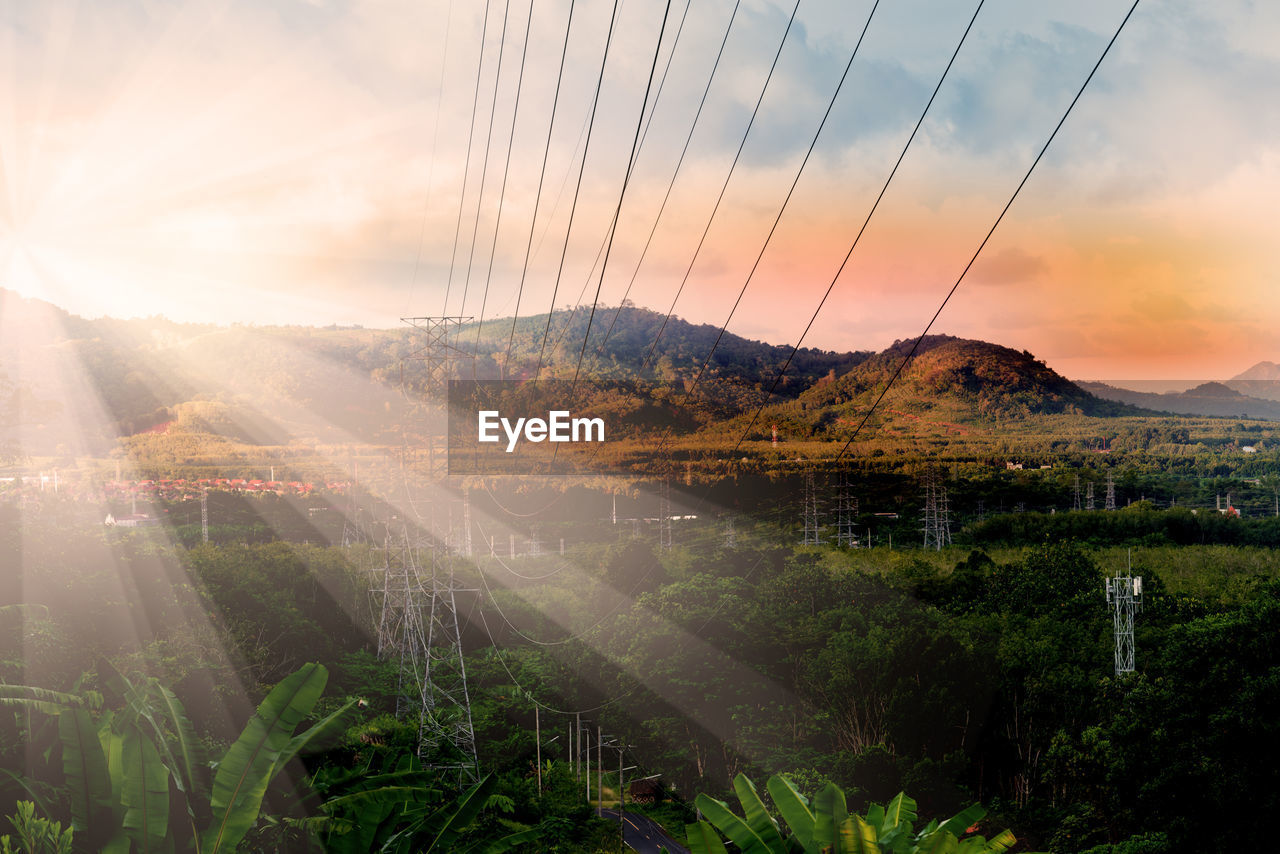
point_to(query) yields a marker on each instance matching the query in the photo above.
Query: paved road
(645, 835)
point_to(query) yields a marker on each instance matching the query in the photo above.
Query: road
(645, 835)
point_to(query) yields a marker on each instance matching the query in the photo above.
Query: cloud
(1010, 266)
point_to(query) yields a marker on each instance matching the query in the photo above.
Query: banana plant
(825, 825)
(121, 768)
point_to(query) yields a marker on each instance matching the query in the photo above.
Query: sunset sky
(303, 161)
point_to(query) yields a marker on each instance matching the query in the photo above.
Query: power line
(529, 696)
(994, 225)
(679, 162)
(609, 231)
(488, 141)
(894, 171)
(581, 169)
(466, 171)
(631, 161)
(754, 112)
(502, 193)
(541, 176)
(431, 169)
(812, 144)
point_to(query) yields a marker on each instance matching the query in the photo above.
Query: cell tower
(1111, 493)
(846, 514)
(811, 518)
(937, 522)
(1075, 494)
(1124, 595)
(664, 515)
(418, 623)
(1088, 496)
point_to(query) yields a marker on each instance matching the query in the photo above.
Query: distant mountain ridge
(1268, 371)
(1215, 399)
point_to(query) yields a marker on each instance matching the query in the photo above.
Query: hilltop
(961, 377)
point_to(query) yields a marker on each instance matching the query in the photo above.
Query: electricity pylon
(846, 513)
(418, 623)
(937, 521)
(811, 519)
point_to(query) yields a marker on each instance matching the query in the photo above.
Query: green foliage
(118, 770)
(35, 835)
(825, 826)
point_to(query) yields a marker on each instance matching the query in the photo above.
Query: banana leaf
(732, 826)
(84, 767)
(144, 793)
(794, 808)
(246, 768)
(703, 839)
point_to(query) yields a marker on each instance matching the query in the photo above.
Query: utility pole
(811, 519)
(599, 772)
(1124, 595)
(586, 776)
(537, 737)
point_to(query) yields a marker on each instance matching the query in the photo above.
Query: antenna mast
(1124, 595)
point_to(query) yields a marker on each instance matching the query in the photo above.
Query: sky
(323, 162)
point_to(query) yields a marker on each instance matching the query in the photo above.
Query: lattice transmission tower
(1124, 595)
(1111, 493)
(417, 598)
(1088, 496)
(664, 514)
(937, 516)
(846, 514)
(812, 520)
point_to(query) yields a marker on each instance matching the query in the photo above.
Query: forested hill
(84, 382)
(629, 342)
(960, 377)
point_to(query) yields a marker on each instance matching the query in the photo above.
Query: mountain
(1211, 399)
(1260, 381)
(74, 386)
(961, 376)
(1268, 371)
